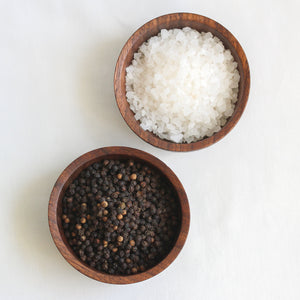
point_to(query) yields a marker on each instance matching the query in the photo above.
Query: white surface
(57, 60)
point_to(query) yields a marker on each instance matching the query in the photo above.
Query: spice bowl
(55, 212)
(152, 28)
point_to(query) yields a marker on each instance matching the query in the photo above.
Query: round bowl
(152, 28)
(72, 171)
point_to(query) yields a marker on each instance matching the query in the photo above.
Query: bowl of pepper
(118, 215)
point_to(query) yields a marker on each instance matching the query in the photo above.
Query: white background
(57, 60)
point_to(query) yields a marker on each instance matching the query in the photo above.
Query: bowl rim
(153, 139)
(73, 170)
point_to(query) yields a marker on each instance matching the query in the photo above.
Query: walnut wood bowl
(72, 171)
(152, 28)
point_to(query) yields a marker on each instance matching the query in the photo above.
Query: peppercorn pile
(120, 217)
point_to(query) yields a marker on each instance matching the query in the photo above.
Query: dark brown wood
(152, 28)
(72, 171)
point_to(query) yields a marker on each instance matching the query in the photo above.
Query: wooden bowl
(72, 171)
(152, 28)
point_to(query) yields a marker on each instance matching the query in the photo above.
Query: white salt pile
(182, 85)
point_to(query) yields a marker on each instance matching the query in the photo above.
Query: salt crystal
(182, 85)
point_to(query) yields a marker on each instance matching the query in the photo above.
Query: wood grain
(72, 171)
(152, 28)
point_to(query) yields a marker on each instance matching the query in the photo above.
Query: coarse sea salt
(182, 85)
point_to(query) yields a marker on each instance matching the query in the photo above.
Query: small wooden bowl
(152, 28)
(72, 171)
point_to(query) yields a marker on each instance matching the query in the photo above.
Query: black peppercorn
(120, 217)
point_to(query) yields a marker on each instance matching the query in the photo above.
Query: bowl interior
(75, 175)
(72, 171)
(152, 28)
